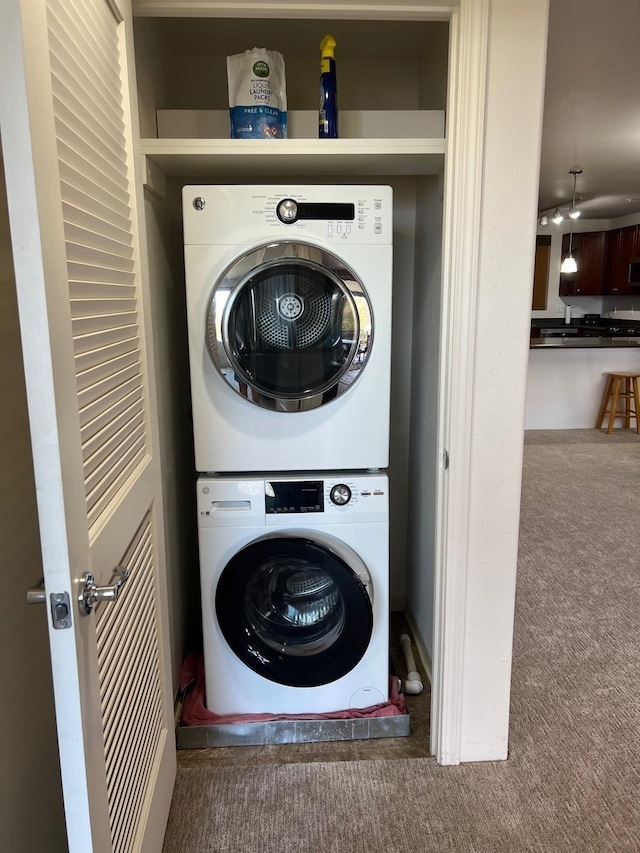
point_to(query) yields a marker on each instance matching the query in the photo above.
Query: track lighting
(558, 217)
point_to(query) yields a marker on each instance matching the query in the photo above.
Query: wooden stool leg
(614, 403)
(627, 402)
(605, 400)
(636, 403)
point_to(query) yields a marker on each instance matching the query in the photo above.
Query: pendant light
(569, 264)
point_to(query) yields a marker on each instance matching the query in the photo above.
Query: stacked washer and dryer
(289, 320)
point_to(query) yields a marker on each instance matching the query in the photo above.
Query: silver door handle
(36, 594)
(91, 594)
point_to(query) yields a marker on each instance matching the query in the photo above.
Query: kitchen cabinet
(541, 272)
(589, 252)
(622, 244)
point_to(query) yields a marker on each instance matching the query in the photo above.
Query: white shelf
(300, 157)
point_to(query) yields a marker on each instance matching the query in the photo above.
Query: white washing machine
(289, 315)
(295, 592)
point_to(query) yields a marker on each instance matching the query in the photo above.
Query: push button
(377, 228)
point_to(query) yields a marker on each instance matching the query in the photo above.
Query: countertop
(575, 342)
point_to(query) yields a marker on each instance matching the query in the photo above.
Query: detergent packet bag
(257, 94)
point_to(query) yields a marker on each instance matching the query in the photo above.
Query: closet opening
(393, 88)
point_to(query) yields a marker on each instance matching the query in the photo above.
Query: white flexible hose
(413, 683)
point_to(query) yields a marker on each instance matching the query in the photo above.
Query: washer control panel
(281, 497)
(295, 497)
(339, 497)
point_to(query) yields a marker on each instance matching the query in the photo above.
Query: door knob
(91, 594)
(36, 594)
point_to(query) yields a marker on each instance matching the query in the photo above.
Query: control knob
(287, 211)
(340, 494)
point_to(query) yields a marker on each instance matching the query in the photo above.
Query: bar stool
(620, 386)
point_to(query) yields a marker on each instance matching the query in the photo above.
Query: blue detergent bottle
(328, 115)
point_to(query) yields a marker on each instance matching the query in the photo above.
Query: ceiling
(592, 107)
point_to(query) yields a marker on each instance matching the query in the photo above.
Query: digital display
(305, 496)
(308, 210)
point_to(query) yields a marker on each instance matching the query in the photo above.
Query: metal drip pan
(292, 731)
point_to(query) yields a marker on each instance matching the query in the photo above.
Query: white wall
(423, 457)
(166, 276)
(409, 70)
(565, 386)
(404, 236)
(31, 810)
(516, 69)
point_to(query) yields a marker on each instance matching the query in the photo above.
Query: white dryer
(289, 316)
(295, 592)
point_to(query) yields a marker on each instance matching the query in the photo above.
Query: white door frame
(468, 46)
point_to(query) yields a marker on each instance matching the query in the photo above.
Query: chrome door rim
(231, 284)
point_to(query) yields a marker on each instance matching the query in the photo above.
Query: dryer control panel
(358, 215)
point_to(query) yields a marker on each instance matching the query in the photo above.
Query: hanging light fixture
(544, 219)
(557, 217)
(569, 264)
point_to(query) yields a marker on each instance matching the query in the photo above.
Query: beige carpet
(572, 782)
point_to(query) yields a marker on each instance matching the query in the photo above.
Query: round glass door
(289, 327)
(294, 611)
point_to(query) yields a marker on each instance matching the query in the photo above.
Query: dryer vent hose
(413, 683)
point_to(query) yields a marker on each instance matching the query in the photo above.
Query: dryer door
(289, 326)
(294, 610)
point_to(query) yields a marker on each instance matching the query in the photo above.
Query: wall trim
(386, 10)
(460, 270)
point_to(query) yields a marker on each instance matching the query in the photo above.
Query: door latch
(60, 610)
(59, 603)
(91, 594)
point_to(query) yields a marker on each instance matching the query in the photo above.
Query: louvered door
(67, 138)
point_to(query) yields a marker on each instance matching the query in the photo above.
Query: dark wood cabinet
(622, 245)
(541, 272)
(589, 252)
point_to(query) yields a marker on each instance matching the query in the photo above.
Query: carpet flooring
(572, 781)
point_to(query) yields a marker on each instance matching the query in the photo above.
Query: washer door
(294, 611)
(289, 326)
